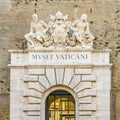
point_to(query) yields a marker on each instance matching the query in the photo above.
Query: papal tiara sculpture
(59, 32)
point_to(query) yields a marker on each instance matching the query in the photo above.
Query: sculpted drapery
(59, 32)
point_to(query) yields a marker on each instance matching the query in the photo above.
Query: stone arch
(48, 80)
(55, 88)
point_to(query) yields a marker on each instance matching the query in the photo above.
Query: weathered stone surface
(32, 113)
(44, 81)
(59, 75)
(31, 107)
(36, 71)
(32, 118)
(87, 117)
(85, 113)
(88, 78)
(83, 71)
(85, 100)
(30, 78)
(68, 76)
(82, 86)
(4, 107)
(87, 93)
(87, 107)
(104, 22)
(32, 93)
(50, 74)
(36, 86)
(75, 81)
(32, 100)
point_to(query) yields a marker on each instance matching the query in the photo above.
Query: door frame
(55, 88)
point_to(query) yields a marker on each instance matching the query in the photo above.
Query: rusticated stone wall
(103, 16)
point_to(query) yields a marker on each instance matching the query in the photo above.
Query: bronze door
(60, 105)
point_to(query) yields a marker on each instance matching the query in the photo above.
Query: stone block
(32, 93)
(36, 86)
(5, 5)
(16, 117)
(103, 83)
(68, 76)
(83, 71)
(87, 118)
(87, 106)
(32, 100)
(103, 100)
(33, 113)
(50, 74)
(85, 113)
(30, 78)
(32, 107)
(59, 75)
(83, 85)
(75, 81)
(88, 78)
(32, 118)
(19, 59)
(101, 58)
(17, 73)
(86, 100)
(87, 93)
(44, 81)
(36, 71)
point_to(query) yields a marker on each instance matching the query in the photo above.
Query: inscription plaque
(57, 58)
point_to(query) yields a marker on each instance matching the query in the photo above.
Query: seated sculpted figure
(82, 32)
(37, 31)
(58, 28)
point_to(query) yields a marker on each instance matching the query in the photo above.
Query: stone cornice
(84, 66)
(52, 49)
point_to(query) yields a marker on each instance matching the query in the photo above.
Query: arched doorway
(60, 105)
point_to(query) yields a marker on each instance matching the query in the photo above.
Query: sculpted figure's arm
(45, 26)
(67, 26)
(29, 36)
(87, 31)
(32, 31)
(74, 25)
(65, 17)
(50, 26)
(31, 28)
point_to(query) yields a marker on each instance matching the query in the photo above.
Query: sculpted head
(59, 15)
(83, 17)
(35, 17)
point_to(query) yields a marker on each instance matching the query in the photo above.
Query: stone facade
(104, 21)
(32, 82)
